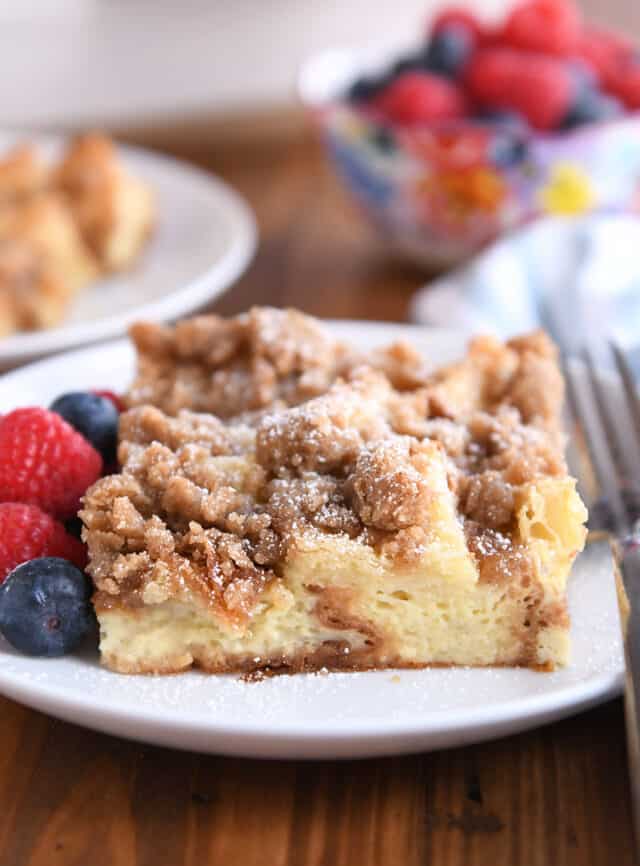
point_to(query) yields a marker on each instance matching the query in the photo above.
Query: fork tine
(630, 388)
(590, 414)
(578, 457)
(610, 419)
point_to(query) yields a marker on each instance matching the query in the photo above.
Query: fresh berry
(583, 73)
(95, 417)
(626, 86)
(591, 106)
(548, 26)
(363, 90)
(541, 88)
(449, 49)
(116, 399)
(415, 62)
(45, 607)
(503, 117)
(45, 462)
(460, 17)
(489, 76)
(608, 55)
(383, 139)
(418, 97)
(506, 150)
(27, 532)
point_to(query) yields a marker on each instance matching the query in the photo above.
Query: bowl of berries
(481, 128)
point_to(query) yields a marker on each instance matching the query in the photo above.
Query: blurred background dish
(203, 239)
(481, 127)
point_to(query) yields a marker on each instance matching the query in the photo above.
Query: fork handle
(628, 559)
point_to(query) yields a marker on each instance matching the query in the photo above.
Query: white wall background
(79, 62)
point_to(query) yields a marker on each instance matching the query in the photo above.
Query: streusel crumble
(287, 502)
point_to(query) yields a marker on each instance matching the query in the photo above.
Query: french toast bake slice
(285, 502)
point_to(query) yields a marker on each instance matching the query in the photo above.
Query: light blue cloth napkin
(581, 275)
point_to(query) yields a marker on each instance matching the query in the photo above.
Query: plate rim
(601, 688)
(211, 283)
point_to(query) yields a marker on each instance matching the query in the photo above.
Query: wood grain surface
(556, 796)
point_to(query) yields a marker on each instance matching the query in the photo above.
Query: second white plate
(204, 239)
(337, 715)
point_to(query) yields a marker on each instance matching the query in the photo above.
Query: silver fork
(606, 461)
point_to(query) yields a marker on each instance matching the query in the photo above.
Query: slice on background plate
(162, 506)
(203, 238)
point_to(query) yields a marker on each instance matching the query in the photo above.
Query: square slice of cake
(286, 503)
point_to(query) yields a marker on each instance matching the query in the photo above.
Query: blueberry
(590, 106)
(96, 418)
(504, 118)
(383, 139)
(45, 607)
(506, 150)
(410, 63)
(582, 73)
(364, 89)
(449, 49)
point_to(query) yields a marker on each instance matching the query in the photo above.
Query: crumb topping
(244, 434)
(389, 484)
(230, 366)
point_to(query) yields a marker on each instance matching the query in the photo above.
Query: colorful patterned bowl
(440, 193)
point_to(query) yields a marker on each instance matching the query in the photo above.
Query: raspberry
(626, 86)
(607, 54)
(541, 88)
(116, 399)
(418, 97)
(489, 75)
(548, 26)
(45, 462)
(457, 16)
(26, 533)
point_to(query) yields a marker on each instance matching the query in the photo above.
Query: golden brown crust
(230, 366)
(330, 656)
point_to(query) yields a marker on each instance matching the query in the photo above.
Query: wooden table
(557, 796)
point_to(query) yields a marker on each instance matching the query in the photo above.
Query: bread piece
(32, 295)
(22, 174)
(115, 212)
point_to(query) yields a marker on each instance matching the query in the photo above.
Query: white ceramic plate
(204, 239)
(314, 716)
